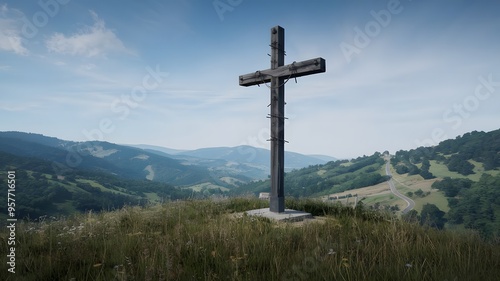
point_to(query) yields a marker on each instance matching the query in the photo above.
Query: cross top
(278, 75)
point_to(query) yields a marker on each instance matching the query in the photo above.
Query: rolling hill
(122, 161)
(245, 160)
(457, 180)
(255, 156)
(220, 166)
(318, 180)
(459, 177)
(60, 177)
(40, 191)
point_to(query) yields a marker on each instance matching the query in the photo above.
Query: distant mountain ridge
(254, 155)
(243, 154)
(123, 161)
(166, 150)
(218, 165)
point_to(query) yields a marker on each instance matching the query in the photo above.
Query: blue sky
(400, 74)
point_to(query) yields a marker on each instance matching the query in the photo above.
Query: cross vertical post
(277, 196)
(278, 74)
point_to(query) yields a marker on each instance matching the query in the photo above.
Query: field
(440, 170)
(405, 183)
(380, 193)
(371, 195)
(204, 240)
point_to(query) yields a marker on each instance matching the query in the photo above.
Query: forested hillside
(468, 172)
(457, 154)
(122, 161)
(476, 205)
(41, 192)
(317, 180)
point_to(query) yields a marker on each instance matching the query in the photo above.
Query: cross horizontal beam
(293, 70)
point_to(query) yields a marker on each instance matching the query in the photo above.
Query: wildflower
(235, 259)
(331, 252)
(345, 262)
(408, 265)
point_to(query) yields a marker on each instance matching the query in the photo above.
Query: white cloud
(10, 33)
(92, 41)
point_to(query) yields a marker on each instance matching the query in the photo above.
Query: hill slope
(460, 177)
(123, 161)
(332, 177)
(41, 192)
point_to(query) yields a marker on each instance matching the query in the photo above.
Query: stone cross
(278, 75)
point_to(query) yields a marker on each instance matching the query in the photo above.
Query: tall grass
(204, 240)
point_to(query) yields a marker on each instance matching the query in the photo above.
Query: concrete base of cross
(288, 215)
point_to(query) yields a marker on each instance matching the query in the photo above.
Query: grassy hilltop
(208, 240)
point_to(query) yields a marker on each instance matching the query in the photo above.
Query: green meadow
(213, 240)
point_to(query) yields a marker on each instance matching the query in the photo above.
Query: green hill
(207, 240)
(431, 176)
(467, 172)
(318, 180)
(460, 177)
(122, 161)
(42, 192)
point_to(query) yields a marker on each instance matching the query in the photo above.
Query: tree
(458, 163)
(432, 216)
(452, 187)
(402, 169)
(478, 207)
(419, 193)
(413, 170)
(412, 216)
